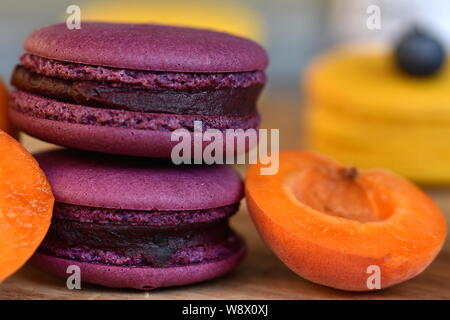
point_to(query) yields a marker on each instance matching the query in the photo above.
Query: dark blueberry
(419, 54)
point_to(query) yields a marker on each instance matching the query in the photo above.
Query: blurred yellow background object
(233, 17)
(363, 111)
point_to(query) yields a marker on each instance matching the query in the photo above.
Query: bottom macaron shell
(142, 278)
(134, 142)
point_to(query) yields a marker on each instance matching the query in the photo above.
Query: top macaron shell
(120, 182)
(149, 47)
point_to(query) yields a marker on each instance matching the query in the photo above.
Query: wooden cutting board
(261, 275)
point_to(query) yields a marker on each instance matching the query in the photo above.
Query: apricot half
(334, 225)
(26, 204)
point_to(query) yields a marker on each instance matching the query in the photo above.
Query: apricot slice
(339, 227)
(26, 204)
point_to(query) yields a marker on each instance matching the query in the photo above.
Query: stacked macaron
(134, 84)
(139, 223)
(122, 90)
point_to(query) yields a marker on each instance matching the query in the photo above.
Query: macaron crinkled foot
(139, 223)
(135, 82)
(337, 226)
(26, 203)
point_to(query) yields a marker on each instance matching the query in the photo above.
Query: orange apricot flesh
(26, 204)
(331, 224)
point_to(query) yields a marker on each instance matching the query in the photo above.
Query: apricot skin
(336, 251)
(26, 205)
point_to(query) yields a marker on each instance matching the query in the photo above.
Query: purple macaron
(134, 84)
(137, 222)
